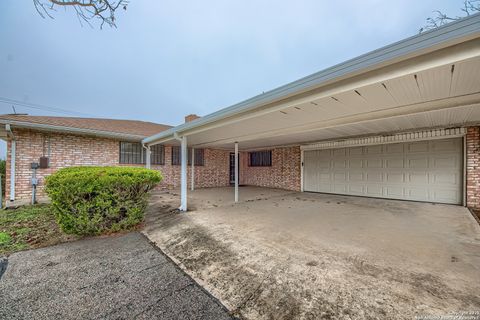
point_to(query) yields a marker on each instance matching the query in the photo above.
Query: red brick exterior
(73, 150)
(473, 167)
(283, 174)
(66, 150)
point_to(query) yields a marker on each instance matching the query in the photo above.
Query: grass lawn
(29, 227)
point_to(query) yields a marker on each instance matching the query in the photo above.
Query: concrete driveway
(284, 255)
(121, 277)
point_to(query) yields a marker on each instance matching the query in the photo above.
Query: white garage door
(423, 171)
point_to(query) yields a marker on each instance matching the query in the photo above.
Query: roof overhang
(422, 78)
(68, 130)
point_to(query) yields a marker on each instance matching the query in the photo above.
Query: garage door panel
(446, 195)
(449, 145)
(374, 190)
(445, 161)
(417, 162)
(417, 147)
(356, 151)
(356, 189)
(418, 194)
(356, 176)
(342, 163)
(396, 192)
(395, 148)
(355, 163)
(395, 163)
(374, 149)
(424, 171)
(393, 178)
(446, 178)
(374, 163)
(374, 176)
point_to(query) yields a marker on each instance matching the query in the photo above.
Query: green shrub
(94, 200)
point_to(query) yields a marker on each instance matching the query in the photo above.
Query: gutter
(447, 35)
(47, 127)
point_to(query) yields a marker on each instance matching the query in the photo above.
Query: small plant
(95, 200)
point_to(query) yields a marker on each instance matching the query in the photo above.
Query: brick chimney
(191, 117)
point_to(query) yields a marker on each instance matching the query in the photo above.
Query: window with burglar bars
(177, 156)
(157, 154)
(135, 153)
(260, 158)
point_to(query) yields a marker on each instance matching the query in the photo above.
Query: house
(400, 122)
(58, 142)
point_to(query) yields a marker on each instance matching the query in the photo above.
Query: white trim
(183, 183)
(386, 139)
(236, 171)
(464, 171)
(302, 155)
(192, 186)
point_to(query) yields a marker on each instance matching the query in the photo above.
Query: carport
(390, 123)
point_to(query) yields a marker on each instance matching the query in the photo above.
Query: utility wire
(42, 107)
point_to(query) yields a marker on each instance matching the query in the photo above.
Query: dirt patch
(274, 276)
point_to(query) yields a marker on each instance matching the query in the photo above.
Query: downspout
(12, 161)
(148, 154)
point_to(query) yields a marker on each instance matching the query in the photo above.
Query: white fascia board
(447, 35)
(388, 139)
(72, 130)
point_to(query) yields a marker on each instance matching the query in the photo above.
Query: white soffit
(387, 139)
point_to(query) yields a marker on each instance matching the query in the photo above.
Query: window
(132, 153)
(260, 158)
(177, 156)
(199, 158)
(157, 154)
(135, 153)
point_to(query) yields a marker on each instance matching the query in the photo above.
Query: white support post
(236, 171)
(148, 154)
(192, 186)
(183, 183)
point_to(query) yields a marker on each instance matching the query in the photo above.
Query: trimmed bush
(95, 200)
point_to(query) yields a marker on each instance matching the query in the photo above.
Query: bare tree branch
(440, 18)
(86, 10)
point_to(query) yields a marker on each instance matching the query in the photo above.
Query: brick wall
(74, 150)
(473, 167)
(284, 172)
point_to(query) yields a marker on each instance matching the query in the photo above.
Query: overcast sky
(167, 59)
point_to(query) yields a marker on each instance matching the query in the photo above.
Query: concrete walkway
(123, 277)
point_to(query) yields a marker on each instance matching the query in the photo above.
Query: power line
(42, 107)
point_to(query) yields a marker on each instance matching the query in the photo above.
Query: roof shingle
(133, 127)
